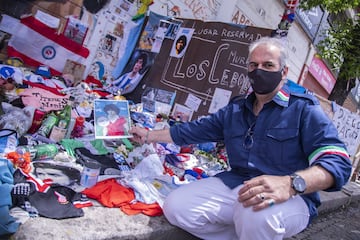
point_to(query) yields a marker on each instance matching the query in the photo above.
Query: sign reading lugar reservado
(212, 69)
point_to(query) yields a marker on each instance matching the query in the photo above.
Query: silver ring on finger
(261, 196)
(271, 202)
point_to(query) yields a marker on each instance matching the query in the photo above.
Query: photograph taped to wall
(173, 28)
(160, 35)
(75, 30)
(128, 7)
(157, 100)
(107, 43)
(181, 42)
(111, 119)
(182, 112)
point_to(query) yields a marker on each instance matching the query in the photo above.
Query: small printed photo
(111, 119)
(125, 5)
(107, 43)
(75, 69)
(75, 30)
(157, 100)
(173, 28)
(165, 96)
(159, 36)
(181, 42)
(182, 112)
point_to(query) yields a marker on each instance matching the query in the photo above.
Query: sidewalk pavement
(334, 200)
(111, 223)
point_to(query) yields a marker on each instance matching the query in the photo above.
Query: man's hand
(265, 191)
(139, 134)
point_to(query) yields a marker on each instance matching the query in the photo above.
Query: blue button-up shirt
(291, 133)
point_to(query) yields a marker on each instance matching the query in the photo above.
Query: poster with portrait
(57, 173)
(136, 68)
(111, 119)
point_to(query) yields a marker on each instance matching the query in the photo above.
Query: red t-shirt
(116, 128)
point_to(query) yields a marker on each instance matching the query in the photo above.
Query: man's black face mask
(264, 82)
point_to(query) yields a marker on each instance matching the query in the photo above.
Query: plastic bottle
(36, 121)
(58, 131)
(90, 173)
(78, 130)
(39, 152)
(46, 126)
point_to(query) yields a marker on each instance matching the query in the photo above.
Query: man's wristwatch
(298, 183)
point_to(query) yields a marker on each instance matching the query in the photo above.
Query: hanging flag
(287, 18)
(38, 44)
(292, 4)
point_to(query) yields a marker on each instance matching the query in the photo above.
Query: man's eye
(269, 65)
(253, 65)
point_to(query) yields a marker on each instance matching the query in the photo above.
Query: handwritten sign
(348, 125)
(215, 59)
(43, 99)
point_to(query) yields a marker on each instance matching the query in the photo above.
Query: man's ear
(284, 71)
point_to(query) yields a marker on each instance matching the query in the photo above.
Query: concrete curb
(110, 223)
(335, 200)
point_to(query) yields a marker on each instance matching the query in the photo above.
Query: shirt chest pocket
(280, 146)
(282, 134)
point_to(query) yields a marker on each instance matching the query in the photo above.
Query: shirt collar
(281, 98)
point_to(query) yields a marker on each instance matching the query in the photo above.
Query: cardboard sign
(43, 99)
(348, 126)
(215, 59)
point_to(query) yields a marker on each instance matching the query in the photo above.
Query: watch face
(299, 184)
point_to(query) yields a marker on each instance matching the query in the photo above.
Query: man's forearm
(159, 136)
(317, 178)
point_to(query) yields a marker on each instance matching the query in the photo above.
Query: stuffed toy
(142, 9)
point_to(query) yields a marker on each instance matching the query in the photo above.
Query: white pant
(209, 210)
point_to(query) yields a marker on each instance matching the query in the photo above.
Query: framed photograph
(75, 30)
(182, 112)
(111, 119)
